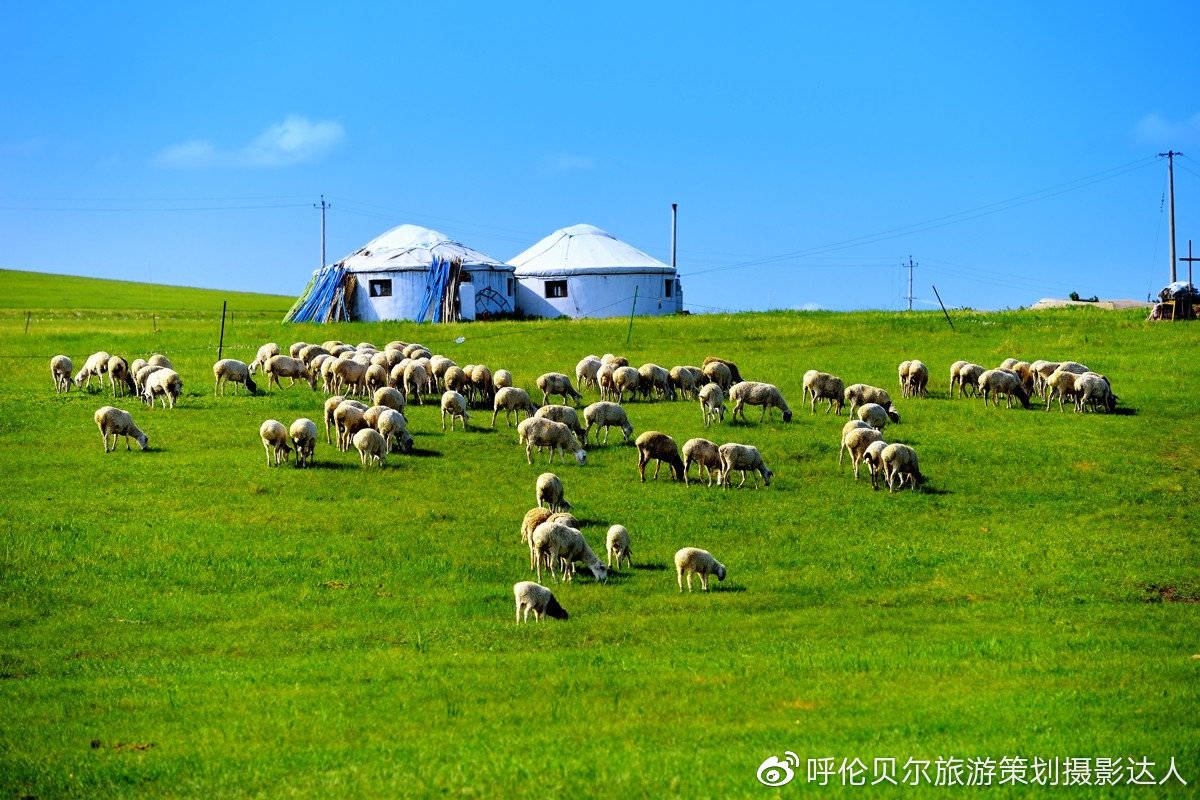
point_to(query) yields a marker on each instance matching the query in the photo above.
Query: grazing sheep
(566, 415)
(135, 366)
(294, 350)
(954, 368)
(483, 384)
(1009, 363)
(510, 399)
(377, 378)
(165, 382)
(416, 381)
(604, 379)
(370, 446)
(900, 461)
(534, 597)
(60, 373)
(303, 433)
(968, 375)
(275, 440)
(1003, 382)
(717, 372)
(852, 424)
(625, 380)
(705, 455)
(1093, 391)
(903, 372)
(312, 351)
(606, 415)
(96, 365)
(554, 541)
(823, 386)
(1041, 371)
(556, 383)
(856, 442)
(263, 356)
(338, 350)
(233, 371)
(387, 396)
(691, 561)
(533, 518)
(1061, 384)
(874, 415)
(455, 405)
(585, 372)
(616, 543)
(349, 376)
(653, 378)
(614, 361)
(438, 365)
(753, 393)
(331, 405)
(396, 375)
(349, 418)
(141, 375)
(288, 367)
(159, 360)
(858, 393)
(548, 489)
(118, 371)
(873, 458)
(317, 367)
(1025, 372)
(712, 403)
(743, 457)
(114, 422)
(391, 424)
(503, 379)
(914, 376)
(735, 375)
(660, 447)
(456, 379)
(683, 379)
(547, 434)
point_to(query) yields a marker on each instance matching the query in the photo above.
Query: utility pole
(910, 271)
(323, 206)
(1170, 156)
(674, 214)
(1189, 260)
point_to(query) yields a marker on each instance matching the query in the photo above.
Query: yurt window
(669, 286)
(556, 288)
(511, 281)
(380, 288)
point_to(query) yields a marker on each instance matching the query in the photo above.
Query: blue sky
(804, 143)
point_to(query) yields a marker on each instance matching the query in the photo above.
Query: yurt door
(466, 301)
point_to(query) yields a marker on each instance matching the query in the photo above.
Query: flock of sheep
(403, 373)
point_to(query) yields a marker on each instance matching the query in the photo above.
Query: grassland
(187, 622)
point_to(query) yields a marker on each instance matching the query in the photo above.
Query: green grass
(179, 597)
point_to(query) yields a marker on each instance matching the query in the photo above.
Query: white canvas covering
(599, 274)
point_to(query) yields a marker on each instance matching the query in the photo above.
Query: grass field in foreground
(186, 622)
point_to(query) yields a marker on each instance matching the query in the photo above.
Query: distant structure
(583, 271)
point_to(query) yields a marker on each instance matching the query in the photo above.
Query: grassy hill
(188, 622)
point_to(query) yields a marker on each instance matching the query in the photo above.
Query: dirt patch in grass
(1169, 594)
(97, 744)
(336, 585)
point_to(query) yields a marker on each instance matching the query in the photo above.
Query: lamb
(717, 372)
(743, 457)
(660, 447)
(604, 379)
(616, 543)
(872, 457)
(824, 386)
(914, 376)
(606, 415)
(370, 446)
(585, 372)
(553, 541)
(349, 418)
(234, 371)
(694, 561)
(625, 380)
(349, 376)
(331, 405)
(968, 375)
(482, 384)
(900, 461)
(903, 373)
(567, 416)
(303, 433)
(653, 378)
(858, 393)
(534, 597)
(545, 433)
(754, 393)
(556, 383)
(416, 381)
(263, 356)
(1003, 382)
(455, 405)
(387, 396)
(159, 360)
(1094, 390)
(165, 382)
(510, 399)
(275, 441)
(118, 370)
(114, 422)
(735, 376)
(874, 415)
(317, 367)
(288, 367)
(856, 442)
(954, 368)
(684, 380)
(391, 424)
(712, 403)
(60, 373)
(501, 380)
(548, 489)
(705, 455)
(96, 365)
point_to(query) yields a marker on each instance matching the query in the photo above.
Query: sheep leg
(680, 575)
(643, 459)
(704, 581)
(657, 465)
(529, 456)
(763, 415)
(743, 483)
(856, 462)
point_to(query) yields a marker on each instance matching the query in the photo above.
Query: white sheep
(114, 422)
(625, 380)
(141, 374)
(233, 371)
(349, 376)
(165, 382)
(303, 433)
(585, 372)
(60, 373)
(705, 455)
(691, 561)
(547, 434)
(873, 458)
(288, 367)
(1061, 383)
(856, 442)
(118, 372)
(858, 393)
(719, 373)
(387, 396)
(534, 597)
(548, 489)
(556, 383)
(1093, 391)
(455, 405)
(605, 414)
(391, 424)
(416, 381)
(712, 403)
(510, 399)
(616, 543)
(370, 446)
(914, 377)
(96, 365)
(349, 418)
(654, 379)
(482, 384)
(555, 542)
(566, 415)
(331, 405)
(754, 393)
(275, 440)
(900, 461)
(502, 379)
(159, 360)
(660, 447)
(874, 415)
(824, 386)
(743, 457)
(968, 375)
(1003, 382)
(604, 379)
(294, 350)
(684, 381)
(263, 356)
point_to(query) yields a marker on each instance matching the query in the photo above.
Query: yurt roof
(584, 250)
(408, 248)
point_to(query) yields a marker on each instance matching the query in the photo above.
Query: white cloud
(1158, 130)
(295, 140)
(570, 162)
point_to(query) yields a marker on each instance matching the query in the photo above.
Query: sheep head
(720, 571)
(251, 386)
(894, 415)
(581, 457)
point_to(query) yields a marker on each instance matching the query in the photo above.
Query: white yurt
(409, 272)
(582, 271)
